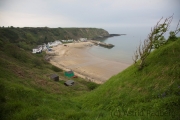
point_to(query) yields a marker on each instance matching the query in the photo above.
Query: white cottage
(63, 40)
(70, 40)
(44, 47)
(83, 39)
(58, 42)
(50, 44)
(38, 49)
(66, 41)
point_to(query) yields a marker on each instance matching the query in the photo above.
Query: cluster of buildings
(83, 39)
(45, 46)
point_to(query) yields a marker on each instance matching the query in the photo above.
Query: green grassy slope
(26, 90)
(152, 93)
(28, 93)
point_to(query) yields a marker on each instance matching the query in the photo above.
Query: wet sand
(75, 56)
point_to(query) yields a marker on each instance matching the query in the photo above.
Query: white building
(38, 49)
(83, 39)
(67, 41)
(44, 47)
(58, 42)
(50, 44)
(55, 43)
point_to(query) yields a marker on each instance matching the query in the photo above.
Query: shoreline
(76, 57)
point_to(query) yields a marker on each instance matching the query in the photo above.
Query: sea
(125, 45)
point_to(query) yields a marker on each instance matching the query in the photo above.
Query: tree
(172, 34)
(154, 40)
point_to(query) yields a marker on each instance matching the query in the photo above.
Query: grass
(150, 93)
(154, 89)
(28, 93)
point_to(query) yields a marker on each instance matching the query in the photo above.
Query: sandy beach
(75, 56)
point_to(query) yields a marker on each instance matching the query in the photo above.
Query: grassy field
(27, 93)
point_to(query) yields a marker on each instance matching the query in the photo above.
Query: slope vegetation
(28, 37)
(28, 93)
(152, 93)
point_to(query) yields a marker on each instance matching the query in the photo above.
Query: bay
(125, 45)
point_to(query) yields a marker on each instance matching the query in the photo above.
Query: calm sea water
(125, 45)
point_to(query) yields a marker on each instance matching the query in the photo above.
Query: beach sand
(75, 56)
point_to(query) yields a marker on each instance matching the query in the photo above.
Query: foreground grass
(28, 93)
(152, 93)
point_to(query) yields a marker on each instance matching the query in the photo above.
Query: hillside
(152, 93)
(28, 37)
(28, 93)
(27, 88)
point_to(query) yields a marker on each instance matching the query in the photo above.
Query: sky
(87, 13)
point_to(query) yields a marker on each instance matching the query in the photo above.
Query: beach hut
(69, 83)
(54, 77)
(69, 73)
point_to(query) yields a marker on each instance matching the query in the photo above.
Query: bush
(37, 62)
(1, 43)
(56, 69)
(16, 52)
(92, 86)
(24, 45)
(154, 40)
(10, 35)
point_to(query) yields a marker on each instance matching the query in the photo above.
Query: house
(63, 40)
(50, 44)
(70, 40)
(69, 73)
(54, 77)
(55, 43)
(69, 83)
(44, 47)
(67, 41)
(38, 49)
(58, 42)
(83, 39)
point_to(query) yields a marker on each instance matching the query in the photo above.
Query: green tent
(69, 74)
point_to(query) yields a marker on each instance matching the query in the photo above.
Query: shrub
(92, 86)
(154, 40)
(10, 35)
(37, 62)
(56, 69)
(24, 45)
(16, 52)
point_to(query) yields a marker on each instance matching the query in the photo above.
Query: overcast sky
(86, 13)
